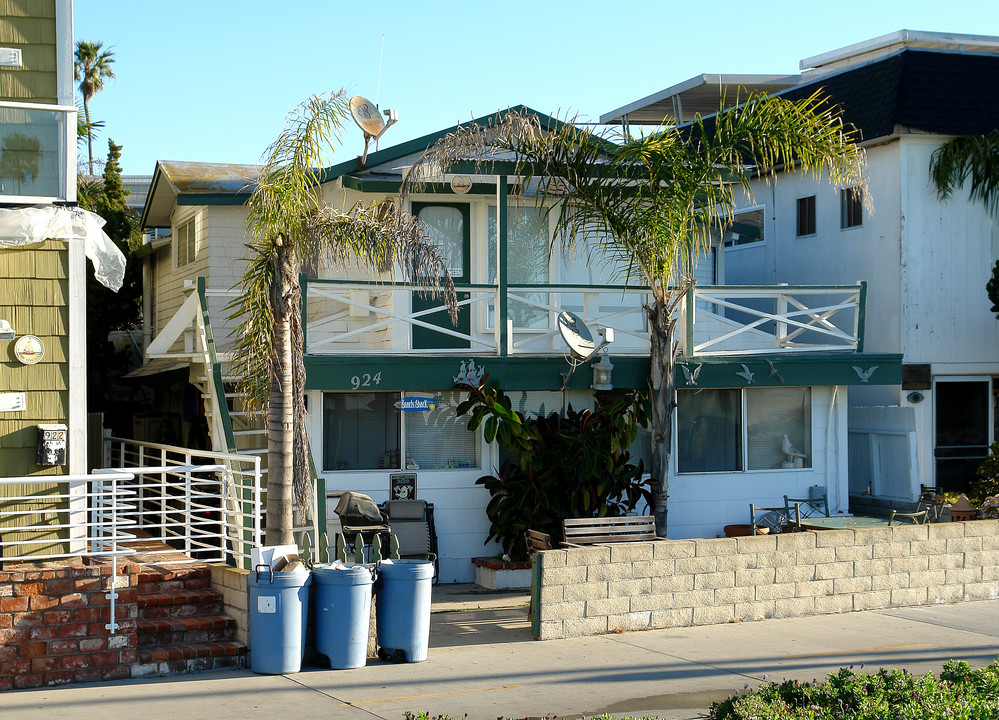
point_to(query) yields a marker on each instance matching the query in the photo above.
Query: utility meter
(52, 444)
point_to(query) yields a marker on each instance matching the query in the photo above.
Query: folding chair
(931, 498)
(768, 520)
(810, 506)
(917, 518)
(412, 522)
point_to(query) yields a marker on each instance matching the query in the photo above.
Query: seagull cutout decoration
(788, 449)
(865, 375)
(691, 376)
(747, 374)
(773, 371)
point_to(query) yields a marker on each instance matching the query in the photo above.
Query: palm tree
(974, 157)
(654, 202)
(294, 230)
(92, 68)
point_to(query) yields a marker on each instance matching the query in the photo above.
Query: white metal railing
(734, 320)
(206, 504)
(348, 318)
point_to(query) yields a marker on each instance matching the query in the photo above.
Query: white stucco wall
(701, 504)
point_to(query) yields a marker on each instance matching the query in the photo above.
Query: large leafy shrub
(558, 466)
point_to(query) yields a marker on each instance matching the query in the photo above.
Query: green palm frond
(974, 158)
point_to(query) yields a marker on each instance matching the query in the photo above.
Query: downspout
(830, 442)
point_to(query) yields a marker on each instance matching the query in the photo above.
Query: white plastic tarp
(26, 226)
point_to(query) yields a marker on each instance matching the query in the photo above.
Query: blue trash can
(279, 610)
(343, 613)
(402, 610)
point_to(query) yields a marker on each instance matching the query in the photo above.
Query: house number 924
(365, 380)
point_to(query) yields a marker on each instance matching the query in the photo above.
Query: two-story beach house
(926, 260)
(763, 370)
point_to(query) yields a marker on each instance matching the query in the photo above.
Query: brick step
(189, 657)
(185, 603)
(191, 577)
(173, 631)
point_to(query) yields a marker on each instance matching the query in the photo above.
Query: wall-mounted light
(915, 397)
(602, 373)
(6, 331)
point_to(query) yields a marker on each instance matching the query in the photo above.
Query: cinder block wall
(233, 584)
(675, 583)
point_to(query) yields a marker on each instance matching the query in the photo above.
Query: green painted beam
(778, 369)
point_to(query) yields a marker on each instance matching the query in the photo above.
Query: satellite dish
(576, 335)
(367, 116)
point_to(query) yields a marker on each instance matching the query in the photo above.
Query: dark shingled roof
(944, 93)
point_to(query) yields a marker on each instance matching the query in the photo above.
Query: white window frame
(763, 226)
(191, 241)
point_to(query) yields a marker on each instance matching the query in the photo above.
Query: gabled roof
(384, 164)
(195, 183)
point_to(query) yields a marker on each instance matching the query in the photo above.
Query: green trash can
(279, 610)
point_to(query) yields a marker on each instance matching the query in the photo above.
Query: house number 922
(365, 380)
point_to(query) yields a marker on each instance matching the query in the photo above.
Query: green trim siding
(420, 372)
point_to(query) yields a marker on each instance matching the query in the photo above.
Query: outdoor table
(842, 522)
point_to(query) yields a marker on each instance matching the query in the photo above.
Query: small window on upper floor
(806, 216)
(746, 228)
(186, 245)
(851, 208)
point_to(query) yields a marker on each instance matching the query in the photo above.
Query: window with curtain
(360, 431)
(713, 434)
(778, 426)
(527, 260)
(709, 430)
(440, 439)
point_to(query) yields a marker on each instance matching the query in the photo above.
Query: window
(746, 229)
(851, 208)
(186, 243)
(364, 431)
(527, 261)
(806, 216)
(728, 430)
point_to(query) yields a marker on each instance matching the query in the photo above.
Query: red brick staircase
(181, 625)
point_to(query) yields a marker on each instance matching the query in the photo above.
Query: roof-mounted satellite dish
(579, 339)
(369, 118)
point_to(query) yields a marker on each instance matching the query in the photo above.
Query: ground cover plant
(960, 693)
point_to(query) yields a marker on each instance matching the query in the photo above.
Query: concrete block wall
(52, 625)
(233, 584)
(676, 583)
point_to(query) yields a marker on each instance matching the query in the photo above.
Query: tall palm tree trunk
(90, 135)
(662, 359)
(281, 412)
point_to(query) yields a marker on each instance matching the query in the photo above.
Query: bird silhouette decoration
(747, 374)
(773, 371)
(691, 376)
(865, 375)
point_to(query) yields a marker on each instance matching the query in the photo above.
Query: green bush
(560, 466)
(960, 692)
(988, 478)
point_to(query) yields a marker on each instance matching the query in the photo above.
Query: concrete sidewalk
(484, 662)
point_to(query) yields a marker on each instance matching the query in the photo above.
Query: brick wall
(52, 625)
(675, 583)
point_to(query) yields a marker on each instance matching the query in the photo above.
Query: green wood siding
(31, 26)
(34, 299)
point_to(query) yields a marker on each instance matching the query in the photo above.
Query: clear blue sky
(213, 80)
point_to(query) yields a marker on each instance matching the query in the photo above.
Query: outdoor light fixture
(602, 373)
(6, 331)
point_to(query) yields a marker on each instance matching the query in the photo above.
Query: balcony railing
(365, 318)
(37, 153)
